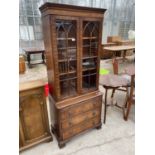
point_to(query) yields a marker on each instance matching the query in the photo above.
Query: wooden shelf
(73, 39)
(67, 73)
(87, 69)
(66, 79)
(65, 60)
(89, 46)
(64, 48)
(89, 74)
(65, 94)
(89, 38)
(89, 57)
(88, 89)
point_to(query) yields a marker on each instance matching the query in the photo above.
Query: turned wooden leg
(105, 105)
(113, 92)
(61, 144)
(129, 102)
(99, 127)
(43, 57)
(29, 60)
(127, 94)
(128, 110)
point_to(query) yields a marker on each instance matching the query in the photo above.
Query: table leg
(124, 55)
(29, 59)
(129, 102)
(115, 53)
(105, 105)
(43, 57)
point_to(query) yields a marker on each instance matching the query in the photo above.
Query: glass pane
(90, 52)
(68, 88)
(67, 56)
(89, 81)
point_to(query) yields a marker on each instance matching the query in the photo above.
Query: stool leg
(113, 92)
(43, 57)
(128, 110)
(28, 59)
(105, 105)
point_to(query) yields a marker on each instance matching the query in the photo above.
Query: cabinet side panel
(53, 115)
(99, 50)
(49, 53)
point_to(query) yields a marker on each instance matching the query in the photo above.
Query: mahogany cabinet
(33, 118)
(72, 38)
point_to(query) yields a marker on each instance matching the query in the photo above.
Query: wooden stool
(111, 81)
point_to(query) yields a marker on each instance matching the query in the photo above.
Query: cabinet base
(62, 143)
(47, 139)
(99, 127)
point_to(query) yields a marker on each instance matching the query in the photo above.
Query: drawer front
(81, 127)
(80, 108)
(80, 118)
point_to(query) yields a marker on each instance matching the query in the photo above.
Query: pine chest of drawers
(76, 115)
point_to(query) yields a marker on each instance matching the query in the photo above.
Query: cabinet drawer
(80, 118)
(81, 127)
(80, 108)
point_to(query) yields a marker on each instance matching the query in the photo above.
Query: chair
(127, 77)
(130, 99)
(111, 81)
(129, 89)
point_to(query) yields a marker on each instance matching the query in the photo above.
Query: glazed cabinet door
(66, 55)
(91, 40)
(33, 116)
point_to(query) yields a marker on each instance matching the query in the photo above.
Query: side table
(29, 51)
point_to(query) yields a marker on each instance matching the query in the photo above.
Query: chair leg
(128, 110)
(113, 92)
(130, 100)
(127, 94)
(105, 105)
